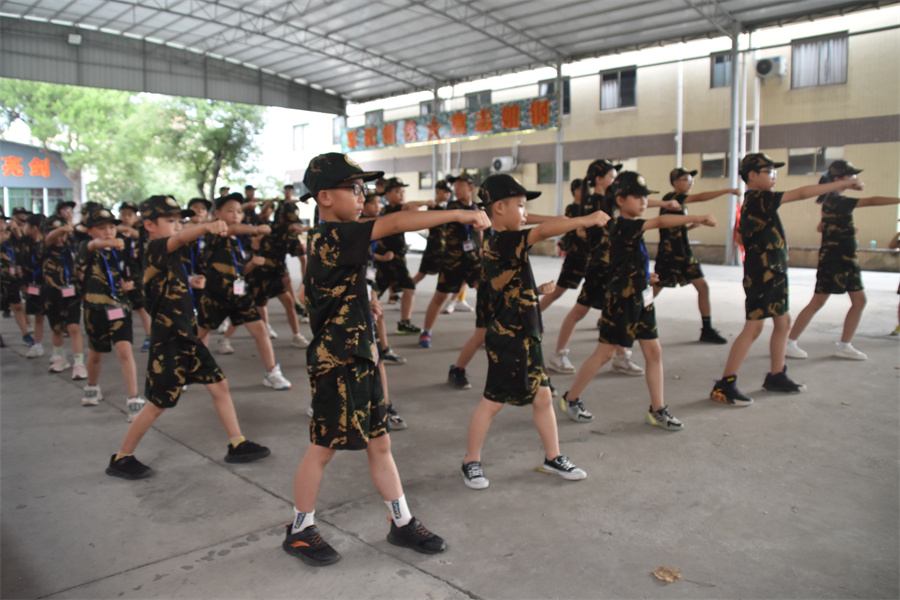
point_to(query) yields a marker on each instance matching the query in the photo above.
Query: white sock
(400, 514)
(792, 342)
(844, 344)
(303, 520)
(58, 351)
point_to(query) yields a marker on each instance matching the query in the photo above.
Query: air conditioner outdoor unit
(503, 164)
(771, 67)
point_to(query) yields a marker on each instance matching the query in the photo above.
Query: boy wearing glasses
(675, 262)
(765, 274)
(349, 410)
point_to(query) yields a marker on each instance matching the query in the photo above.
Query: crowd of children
(185, 272)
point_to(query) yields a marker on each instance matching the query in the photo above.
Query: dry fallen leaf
(845, 403)
(667, 574)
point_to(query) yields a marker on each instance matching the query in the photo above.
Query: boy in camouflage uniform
(434, 246)
(10, 298)
(28, 269)
(838, 270)
(574, 245)
(349, 411)
(513, 325)
(135, 239)
(675, 262)
(462, 255)
(225, 266)
(629, 314)
(765, 274)
(62, 295)
(107, 307)
(177, 356)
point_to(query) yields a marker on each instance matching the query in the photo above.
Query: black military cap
(394, 183)
(160, 206)
(679, 173)
(100, 216)
(629, 183)
(502, 186)
(757, 162)
(326, 171)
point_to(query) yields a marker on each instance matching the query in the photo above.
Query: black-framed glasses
(357, 188)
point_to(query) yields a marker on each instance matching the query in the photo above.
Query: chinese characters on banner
(509, 117)
(11, 166)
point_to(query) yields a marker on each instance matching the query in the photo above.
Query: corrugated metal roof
(366, 49)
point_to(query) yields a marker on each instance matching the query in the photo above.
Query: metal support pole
(679, 109)
(733, 161)
(434, 149)
(560, 197)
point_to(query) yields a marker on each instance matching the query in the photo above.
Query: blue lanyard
(234, 258)
(35, 269)
(188, 278)
(8, 247)
(646, 259)
(464, 207)
(62, 258)
(112, 285)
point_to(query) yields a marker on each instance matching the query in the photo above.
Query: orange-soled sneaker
(308, 546)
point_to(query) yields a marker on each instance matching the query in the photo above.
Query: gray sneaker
(663, 418)
(575, 410)
(624, 365)
(561, 363)
(473, 476)
(92, 395)
(134, 406)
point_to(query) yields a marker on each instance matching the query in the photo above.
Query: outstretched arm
(666, 221)
(400, 222)
(244, 229)
(704, 196)
(189, 234)
(809, 191)
(560, 225)
(877, 201)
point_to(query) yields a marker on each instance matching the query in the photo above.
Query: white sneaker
(299, 341)
(794, 351)
(35, 351)
(225, 346)
(134, 406)
(561, 363)
(58, 364)
(274, 379)
(224, 326)
(447, 308)
(92, 395)
(79, 372)
(272, 333)
(848, 351)
(309, 410)
(624, 365)
(463, 306)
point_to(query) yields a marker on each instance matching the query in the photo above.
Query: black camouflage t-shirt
(839, 242)
(762, 232)
(167, 294)
(101, 276)
(512, 294)
(627, 262)
(337, 298)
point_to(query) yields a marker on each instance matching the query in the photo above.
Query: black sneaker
(780, 382)
(458, 379)
(396, 421)
(473, 476)
(416, 536)
(308, 546)
(245, 452)
(726, 392)
(407, 328)
(128, 467)
(711, 336)
(390, 357)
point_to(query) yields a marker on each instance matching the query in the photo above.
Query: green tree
(77, 122)
(211, 139)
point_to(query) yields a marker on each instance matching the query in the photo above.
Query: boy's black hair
(576, 183)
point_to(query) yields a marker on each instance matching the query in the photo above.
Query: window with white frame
(374, 117)
(300, 132)
(478, 99)
(618, 89)
(720, 70)
(548, 88)
(713, 164)
(819, 61)
(547, 172)
(809, 161)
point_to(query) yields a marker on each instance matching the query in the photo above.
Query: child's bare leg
(38, 328)
(94, 360)
(129, 370)
(702, 296)
(230, 331)
(381, 331)
(601, 355)
(741, 346)
(778, 341)
(383, 469)
(139, 427)
(548, 299)
(263, 313)
(19, 315)
(545, 422)
(406, 304)
(654, 371)
(145, 320)
(851, 321)
(56, 338)
(418, 277)
(308, 478)
(382, 372)
(287, 300)
(470, 348)
(434, 307)
(224, 407)
(568, 325)
(478, 428)
(75, 337)
(806, 315)
(263, 344)
(203, 334)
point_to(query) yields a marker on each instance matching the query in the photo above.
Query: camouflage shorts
(515, 368)
(265, 284)
(593, 293)
(348, 404)
(9, 293)
(431, 261)
(103, 334)
(175, 363)
(34, 304)
(136, 296)
(623, 322)
(766, 294)
(457, 273)
(61, 312)
(838, 279)
(677, 272)
(213, 311)
(572, 271)
(394, 274)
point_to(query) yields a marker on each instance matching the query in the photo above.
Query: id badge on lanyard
(114, 313)
(33, 290)
(68, 291)
(239, 287)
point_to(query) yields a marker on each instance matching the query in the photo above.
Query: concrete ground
(793, 497)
